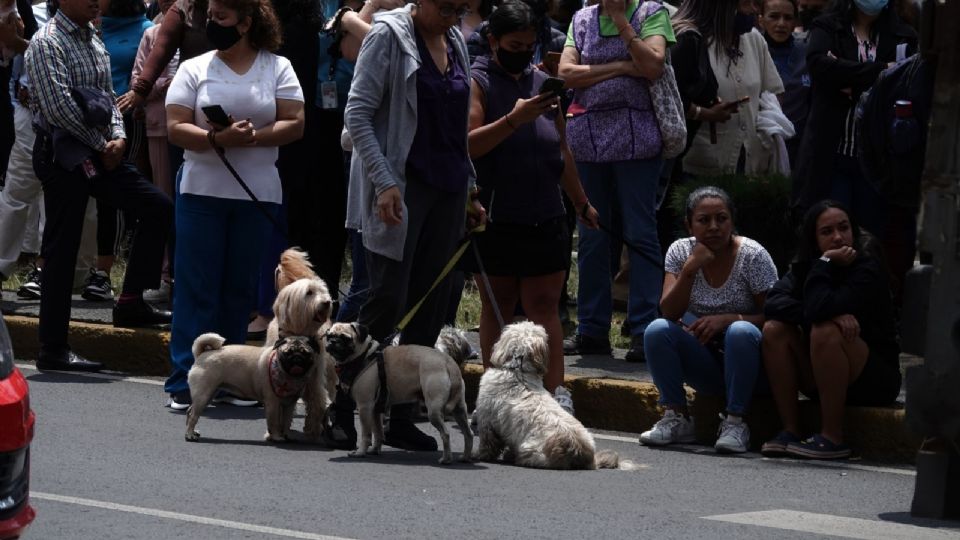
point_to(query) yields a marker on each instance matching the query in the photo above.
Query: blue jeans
(632, 185)
(277, 243)
(359, 281)
(674, 357)
(217, 265)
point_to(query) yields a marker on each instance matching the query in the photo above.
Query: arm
(168, 40)
(579, 76)
(11, 34)
(825, 295)
(570, 181)
(838, 73)
(287, 128)
(648, 54)
(49, 76)
(485, 137)
(781, 304)
(366, 94)
(182, 132)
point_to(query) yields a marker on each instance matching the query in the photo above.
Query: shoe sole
(96, 297)
(27, 293)
(813, 454)
(724, 449)
(774, 450)
(178, 406)
(684, 440)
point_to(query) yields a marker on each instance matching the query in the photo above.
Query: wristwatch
(825, 259)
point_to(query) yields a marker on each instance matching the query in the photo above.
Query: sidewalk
(609, 393)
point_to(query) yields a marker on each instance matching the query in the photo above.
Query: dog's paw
(445, 460)
(467, 458)
(274, 438)
(192, 436)
(357, 453)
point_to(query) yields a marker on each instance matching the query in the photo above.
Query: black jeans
(435, 226)
(65, 196)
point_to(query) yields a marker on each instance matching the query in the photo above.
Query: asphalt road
(109, 462)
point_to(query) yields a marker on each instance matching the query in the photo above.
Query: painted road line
(189, 518)
(105, 376)
(844, 527)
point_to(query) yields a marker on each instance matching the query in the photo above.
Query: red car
(16, 432)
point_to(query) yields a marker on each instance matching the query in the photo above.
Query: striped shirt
(64, 55)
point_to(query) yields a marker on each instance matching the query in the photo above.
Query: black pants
(312, 172)
(65, 195)
(7, 133)
(435, 227)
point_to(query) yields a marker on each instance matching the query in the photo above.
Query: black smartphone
(216, 115)
(552, 85)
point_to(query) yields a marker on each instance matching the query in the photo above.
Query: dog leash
(487, 287)
(221, 153)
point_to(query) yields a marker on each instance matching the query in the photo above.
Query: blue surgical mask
(871, 7)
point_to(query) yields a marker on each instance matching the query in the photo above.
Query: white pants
(21, 204)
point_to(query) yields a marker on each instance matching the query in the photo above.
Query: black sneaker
(340, 433)
(635, 353)
(403, 434)
(31, 287)
(581, 344)
(180, 401)
(97, 287)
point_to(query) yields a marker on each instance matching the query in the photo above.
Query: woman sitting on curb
(830, 333)
(709, 337)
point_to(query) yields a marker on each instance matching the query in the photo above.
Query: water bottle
(905, 130)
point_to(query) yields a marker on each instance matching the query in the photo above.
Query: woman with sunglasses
(407, 116)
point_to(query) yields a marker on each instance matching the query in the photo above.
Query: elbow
(298, 128)
(654, 67)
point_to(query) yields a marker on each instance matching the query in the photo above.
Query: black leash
(221, 153)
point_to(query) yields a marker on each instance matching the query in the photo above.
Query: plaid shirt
(64, 55)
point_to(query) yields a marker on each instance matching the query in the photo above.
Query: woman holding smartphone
(714, 290)
(221, 232)
(522, 165)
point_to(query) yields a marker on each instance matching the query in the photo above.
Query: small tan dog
(520, 421)
(276, 376)
(412, 371)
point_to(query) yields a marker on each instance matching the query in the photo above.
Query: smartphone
(552, 85)
(688, 319)
(216, 115)
(738, 102)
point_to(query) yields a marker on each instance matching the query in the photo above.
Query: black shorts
(510, 249)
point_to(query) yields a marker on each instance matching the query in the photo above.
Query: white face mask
(871, 7)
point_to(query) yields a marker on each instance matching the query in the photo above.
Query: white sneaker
(564, 399)
(672, 428)
(236, 401)
(734, 436)
(158, 295)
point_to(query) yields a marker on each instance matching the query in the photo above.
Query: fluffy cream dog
(520, 421)
(276, 376)
(412, 371)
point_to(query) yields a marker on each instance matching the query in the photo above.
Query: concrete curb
(879, 434)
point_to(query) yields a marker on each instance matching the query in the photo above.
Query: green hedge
(763, 211)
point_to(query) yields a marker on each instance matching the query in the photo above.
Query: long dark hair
(712, 19)
(809, 249)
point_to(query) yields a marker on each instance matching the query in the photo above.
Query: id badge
(328, 94)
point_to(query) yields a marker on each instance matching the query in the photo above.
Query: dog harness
(283, 385)
(347, 373)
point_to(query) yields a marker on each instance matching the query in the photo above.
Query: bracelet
(211, 138)
(506, 118)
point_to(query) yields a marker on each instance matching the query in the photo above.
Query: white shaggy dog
(520, 421)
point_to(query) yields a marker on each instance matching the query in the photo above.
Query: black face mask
(222, 37)
(743, 23)
(514, 62)
(807, 16)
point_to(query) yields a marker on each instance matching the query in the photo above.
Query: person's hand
(842, 256)
(708, 326)
(239, 133)
(630, 69)
(699, 257)
(112, 155)
(849, 326)
(390, 206)
(615, 9)
(719, 113)
(589, 217)
(130, 100)
(476, 214)
(23, 96)
(528, 110)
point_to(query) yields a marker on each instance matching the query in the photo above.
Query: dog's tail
(207, 342)
(294, 265)
(608, 459)
(453, 342)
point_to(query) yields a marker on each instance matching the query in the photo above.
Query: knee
(776, 331)
(658, 332)
(825, 335)
(745, 331)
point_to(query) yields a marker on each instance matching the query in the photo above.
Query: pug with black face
(277, 376)
(412, 371)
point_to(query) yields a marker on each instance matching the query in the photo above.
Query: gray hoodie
(381, 116)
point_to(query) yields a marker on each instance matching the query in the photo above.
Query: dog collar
(283, 385)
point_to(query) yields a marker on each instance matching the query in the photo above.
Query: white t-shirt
(205, 80)
(753, 273)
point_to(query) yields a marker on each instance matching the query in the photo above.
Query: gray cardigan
(381, 117)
